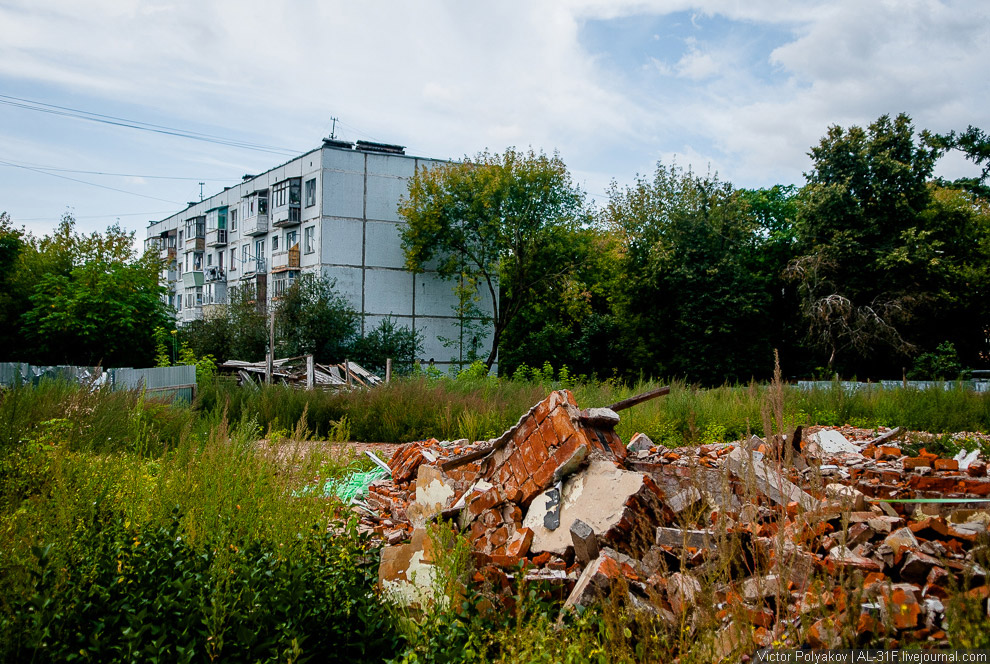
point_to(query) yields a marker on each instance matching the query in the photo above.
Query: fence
(853, 386)
(179, 382)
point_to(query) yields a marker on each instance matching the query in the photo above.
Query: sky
(223, 88)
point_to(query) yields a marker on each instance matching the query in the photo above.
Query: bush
(123, 593)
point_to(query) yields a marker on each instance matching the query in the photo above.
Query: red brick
(978, 469)
(542, 410)
(541, 559)
(538, 447)
(485, 501)
(506, 560)
(529, 460)
(518, 467)
(529, 490)
(562, 424)
(499, 537)
(519, 544)
(492, 518)
(543, 477)
(946, 464)
(549, 435)
(526, 428)
(917, 462)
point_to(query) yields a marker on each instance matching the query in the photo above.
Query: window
(209, 260)
(244, 254)
(259, 249)
(291, 238)
(311, 192)
(233, 259)
(233, 219)
(274, 243)
(309, 236)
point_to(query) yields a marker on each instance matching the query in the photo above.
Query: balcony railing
(216, 237)
(286, 260)
(215, 274)
(253, 267)
(256, 225)
(289, 215)
(168, 253)
(195, 244)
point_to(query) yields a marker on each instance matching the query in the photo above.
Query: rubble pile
(294, 371)
(782, 525)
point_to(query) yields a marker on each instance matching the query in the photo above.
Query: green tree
(92, 299)
(13, 302)
(691, 298)
(493, 221)
(872, 252)
(572, 324)
(313, 318)
(388, 340)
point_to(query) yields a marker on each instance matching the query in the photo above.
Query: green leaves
(492, 221)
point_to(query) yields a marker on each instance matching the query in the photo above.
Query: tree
(691, 299)
(388, 340)
(866, 243)
(572, 324)
(13, 302)
(493, 221)
(92, 300)
(975, 144)
(313, 318)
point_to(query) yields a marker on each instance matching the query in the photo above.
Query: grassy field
(134, 530)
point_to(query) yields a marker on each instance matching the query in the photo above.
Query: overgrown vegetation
(135, 530)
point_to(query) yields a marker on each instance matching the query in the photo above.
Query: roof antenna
(333, 128)
(201, 190)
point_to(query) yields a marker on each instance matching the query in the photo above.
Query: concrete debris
(559, 499)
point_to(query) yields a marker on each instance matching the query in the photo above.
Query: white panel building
(333, 211)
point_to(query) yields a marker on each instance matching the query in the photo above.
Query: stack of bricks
(544, 440)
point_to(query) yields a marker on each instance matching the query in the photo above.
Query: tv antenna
(333, 128)
(201, 190)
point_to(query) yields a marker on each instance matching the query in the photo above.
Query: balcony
(256, 225)
(286, 216)
(214, 274)
(195, 244)
(172, 275)
(253, 267)
(192, 279)
(216, 237)
(286, 260)
(167, 253)
(216, 294)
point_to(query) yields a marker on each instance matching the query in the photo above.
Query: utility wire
(92, 184)
(79, 114)
(41, 167)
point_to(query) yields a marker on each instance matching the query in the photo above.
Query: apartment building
(331, 211)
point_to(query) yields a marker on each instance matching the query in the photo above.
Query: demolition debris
(559, 499)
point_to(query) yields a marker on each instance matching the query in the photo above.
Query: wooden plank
(639, 398)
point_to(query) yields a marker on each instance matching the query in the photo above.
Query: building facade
(332, 211)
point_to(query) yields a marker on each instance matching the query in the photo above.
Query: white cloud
(448, 78)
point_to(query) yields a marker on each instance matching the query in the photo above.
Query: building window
(291, 238)
(233, 259)
(311, 192)
(275, 243)
(244, 254)
(309, 238)
(233, 219)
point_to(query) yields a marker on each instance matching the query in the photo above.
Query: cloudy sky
(742, 87)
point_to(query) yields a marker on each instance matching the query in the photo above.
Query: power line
(79, 114)
(92, 184)
(123, 175)
(94, 216)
